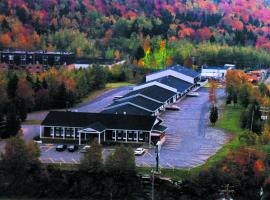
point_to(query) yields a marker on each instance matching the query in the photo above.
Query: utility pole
(227, 192)
(157, 151)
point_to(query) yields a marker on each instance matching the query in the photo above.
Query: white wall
(148, 84)
(215, 73)
(169, 72)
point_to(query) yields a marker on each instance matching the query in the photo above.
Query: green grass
(117, 85)
(31, 122)
(108, 86)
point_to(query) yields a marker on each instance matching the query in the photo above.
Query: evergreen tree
(122, 161)
(37, 85)
(12, 86)
(244, 96)
(92, 160)
(22, 109)
(60, 98)
(44, 84)
(213, 114)
(19, 163)
(13, 122)
(235, 98)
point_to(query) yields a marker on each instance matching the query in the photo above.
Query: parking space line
(150, 154)
(170, 165)
(146, 164)
(51, 160)
(62, 159)
(75, 161)
(49, 149)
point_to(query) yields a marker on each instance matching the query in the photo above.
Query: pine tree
(12, 86)
(92, 160)
(13, 122)
(213, 114)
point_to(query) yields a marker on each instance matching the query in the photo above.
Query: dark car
(61, 147)
(72, 148)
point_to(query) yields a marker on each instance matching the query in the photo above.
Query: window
(68, 132)
(51, 132)
(130, 135)
(11, 57)
(119, 135)
(141, 136)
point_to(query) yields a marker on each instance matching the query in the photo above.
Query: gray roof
(184, 70)
(127, 109)
(140, 101)
(154, 92)
(99, 121)
(174, 82)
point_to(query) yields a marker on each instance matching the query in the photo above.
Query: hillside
(104, 28)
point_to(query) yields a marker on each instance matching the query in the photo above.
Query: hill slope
(100, 27)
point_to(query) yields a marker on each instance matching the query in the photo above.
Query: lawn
(118, 84)
(108, 86)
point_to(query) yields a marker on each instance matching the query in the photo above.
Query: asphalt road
(189, 139)
(95, 105)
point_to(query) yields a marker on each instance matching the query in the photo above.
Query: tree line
(22, 92)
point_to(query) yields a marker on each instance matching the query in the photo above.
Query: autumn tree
(212, 92)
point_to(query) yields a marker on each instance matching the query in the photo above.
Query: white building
(216, 72)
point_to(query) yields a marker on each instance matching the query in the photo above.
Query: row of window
(131, 135)
(69, 132)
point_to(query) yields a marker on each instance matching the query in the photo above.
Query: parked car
(193, 94)
(85, 149)
(139, 151)
(172, 107)
(72, 148)
(37, 141)
(61, 147)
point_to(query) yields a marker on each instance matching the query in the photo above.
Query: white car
(139, 151)
(85, 149)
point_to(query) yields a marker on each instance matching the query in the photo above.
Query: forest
(119, 29)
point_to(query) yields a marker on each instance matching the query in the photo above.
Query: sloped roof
(174, 82)
(154, 92)
(110, 121)
(184, 70)
(127, 109)
(140, 101)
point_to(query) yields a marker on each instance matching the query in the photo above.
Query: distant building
(38, 59)
(216, 72)
(89, 62)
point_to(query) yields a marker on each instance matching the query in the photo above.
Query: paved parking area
(189, 139)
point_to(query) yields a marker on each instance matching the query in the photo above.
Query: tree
(213, 117)
(19, 163)
(13, 124)
(121, 161)
(12, 86)
(244, 95)
(92, 161)
(248, 138)
(212, 92)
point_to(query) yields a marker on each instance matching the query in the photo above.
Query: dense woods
(119, 29)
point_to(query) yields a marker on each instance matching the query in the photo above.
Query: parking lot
(189, 139)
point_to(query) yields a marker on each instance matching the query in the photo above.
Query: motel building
(81, 128)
